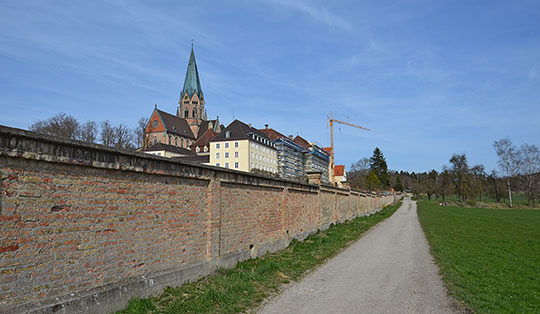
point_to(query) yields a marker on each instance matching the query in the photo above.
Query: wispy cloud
(317, 12)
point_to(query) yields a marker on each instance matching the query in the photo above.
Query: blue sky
(430, 78)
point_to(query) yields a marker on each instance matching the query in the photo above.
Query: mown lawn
(519, 200)
(245, 286)
(490, 259)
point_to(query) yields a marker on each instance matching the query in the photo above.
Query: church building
(190, 124)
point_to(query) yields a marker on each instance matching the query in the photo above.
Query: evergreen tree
(377, 164)
(372, 181)
(398, 186)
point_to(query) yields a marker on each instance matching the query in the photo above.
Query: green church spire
(192, 84)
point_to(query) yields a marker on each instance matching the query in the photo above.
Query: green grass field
(490, 259)
(245, 286)
(519, 200)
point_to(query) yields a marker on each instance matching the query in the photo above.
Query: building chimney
(290, 137)
(266, 126)
(250, 126)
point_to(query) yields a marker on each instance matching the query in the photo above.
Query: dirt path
(389, 270)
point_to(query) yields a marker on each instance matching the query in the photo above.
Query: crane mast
(332, 120)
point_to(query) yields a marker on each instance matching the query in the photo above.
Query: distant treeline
(519, 171)
(117, 136)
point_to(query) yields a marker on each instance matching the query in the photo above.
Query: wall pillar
(314, 177)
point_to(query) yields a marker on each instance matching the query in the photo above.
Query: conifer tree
(398, 186)
(372, 181)
(377, 164)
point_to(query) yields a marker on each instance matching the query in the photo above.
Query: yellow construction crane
(332, 120)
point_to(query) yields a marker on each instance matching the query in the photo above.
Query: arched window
(186, 113)
(170, 139)
(181, 142)
(194, 113)
(155, 139)
(176, 141)
(201, 114)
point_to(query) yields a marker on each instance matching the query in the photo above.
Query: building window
(236, 165)
(159, 154)
(236, 144)
(217, 145)
(194, 113)
(197, 149)
(226, 165)
(226, 145)
(205, 149)
(170, 138)
(176, 141)
(182, 142)
(227, 134)
(235, 154)
(155, 139)
(217, 164)
(226, 154)
(186, 113)
(202, 114)
(217, 155)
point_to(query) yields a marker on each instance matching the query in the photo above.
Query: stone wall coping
(31, 145)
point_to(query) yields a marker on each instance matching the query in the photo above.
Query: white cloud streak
(318, 13)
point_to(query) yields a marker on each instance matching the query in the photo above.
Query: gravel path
(389, 270)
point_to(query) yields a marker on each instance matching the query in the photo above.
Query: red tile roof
(272, 134)
(339, 170)
(328, 150)
(302, 142)
(204, 140)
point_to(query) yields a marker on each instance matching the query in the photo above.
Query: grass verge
(489, 259)
(250, 282)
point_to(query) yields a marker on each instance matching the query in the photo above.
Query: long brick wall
(84, 228)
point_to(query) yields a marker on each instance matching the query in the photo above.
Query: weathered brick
(72, 228)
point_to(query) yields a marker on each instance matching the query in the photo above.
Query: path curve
(389, 270)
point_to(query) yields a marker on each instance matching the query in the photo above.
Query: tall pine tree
(377, 164)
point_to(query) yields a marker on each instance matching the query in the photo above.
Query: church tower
(191, 98)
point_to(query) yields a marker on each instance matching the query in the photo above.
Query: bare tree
(140, 137)
(508, 161)
(107, 134)
(60, 125)
(461, 176)
(494, 182)
(530, 166)
(429, 182)
(358, 173)
(418, 189)
(88, 132)
(479, 175)
(443, 183)
(123, 137)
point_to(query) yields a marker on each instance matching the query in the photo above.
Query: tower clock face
(155, 123)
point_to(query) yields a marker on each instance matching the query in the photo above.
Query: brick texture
(78, 217)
